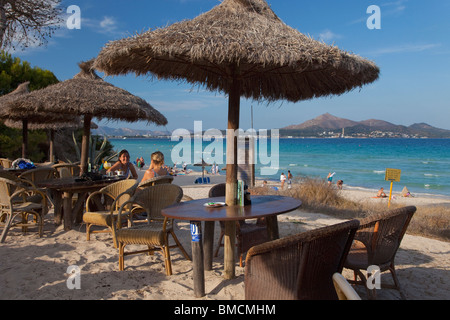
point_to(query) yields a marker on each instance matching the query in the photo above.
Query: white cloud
(108, 24)
(327, 36)
(404, 48)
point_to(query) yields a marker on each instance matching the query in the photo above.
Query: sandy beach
(36, 268)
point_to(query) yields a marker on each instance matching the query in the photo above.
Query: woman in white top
(156, 168)
(124, 165)
(282, 179)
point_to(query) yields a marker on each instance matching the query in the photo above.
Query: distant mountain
(127, 132)
(324, 121)
(327, 125)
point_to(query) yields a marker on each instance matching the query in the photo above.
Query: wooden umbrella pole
(51, 145)
(231, 180)
(24, 138)
(85, 144)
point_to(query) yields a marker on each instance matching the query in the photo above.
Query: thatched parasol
(241, 48)
(28, 119)
(52, 127)
(202, 164)
(88, 95)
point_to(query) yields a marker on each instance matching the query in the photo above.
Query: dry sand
(36, 268)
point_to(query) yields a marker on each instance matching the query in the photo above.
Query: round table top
(261, 206)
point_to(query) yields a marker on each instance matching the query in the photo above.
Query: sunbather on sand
(381, 193)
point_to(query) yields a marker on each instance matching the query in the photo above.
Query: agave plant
(95, 156)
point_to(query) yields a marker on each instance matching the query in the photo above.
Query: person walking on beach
(124, 165)
(289, 177)
(330, 177)
(282, 179)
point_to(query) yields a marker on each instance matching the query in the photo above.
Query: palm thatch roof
(241, 48)
(12, 115)
(74, 124)
(28, 119)
(274, 61)
(88, 94)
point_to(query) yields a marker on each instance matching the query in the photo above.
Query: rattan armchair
(344, 290)
(155, 233)
(40, 174)
(299, 267)
(67, 169)
(15, 196)
(5, 163)
(247, 234)
(155, 180)
(376, 243)
(113, 196)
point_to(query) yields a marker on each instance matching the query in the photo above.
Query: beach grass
(319, 197)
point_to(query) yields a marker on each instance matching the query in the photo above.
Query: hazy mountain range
(325, 125)
(127, 132)
(367, 128)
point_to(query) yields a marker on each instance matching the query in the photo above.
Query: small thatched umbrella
(75, 124)
(88, 95)
(203, 164)
(28, 119)
(241, 48)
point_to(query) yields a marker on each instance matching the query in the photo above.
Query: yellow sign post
(392, 175)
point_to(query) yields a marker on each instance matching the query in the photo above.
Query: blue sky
(412, 49)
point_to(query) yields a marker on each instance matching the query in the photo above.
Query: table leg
(272, 228)
(208, 245)
(229, 249)
(68, 218)
(57, 213)
(197, 259)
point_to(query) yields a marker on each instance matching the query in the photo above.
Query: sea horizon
(359, 162)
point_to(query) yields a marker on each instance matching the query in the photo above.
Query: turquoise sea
(424, 163)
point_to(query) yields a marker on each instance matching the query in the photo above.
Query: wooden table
(262, 207)
(62, 191)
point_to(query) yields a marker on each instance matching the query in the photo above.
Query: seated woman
(124, 165)
(157, 167)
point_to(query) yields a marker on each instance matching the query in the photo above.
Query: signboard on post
(392, 175)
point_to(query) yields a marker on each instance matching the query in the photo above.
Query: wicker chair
(299, 267)
(39, 174)
(247, 234)
(67, 169)
(376, 243)
(154, 234)
(114, 195)
(14, 201)
(343, 289)
(5, 163)
(154, 181)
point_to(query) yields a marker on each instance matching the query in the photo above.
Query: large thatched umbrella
(28, 119)
(88, 95)
(241, 48)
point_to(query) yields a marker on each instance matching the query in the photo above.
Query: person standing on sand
(282, 179)
(289, 177)
(330, 177)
